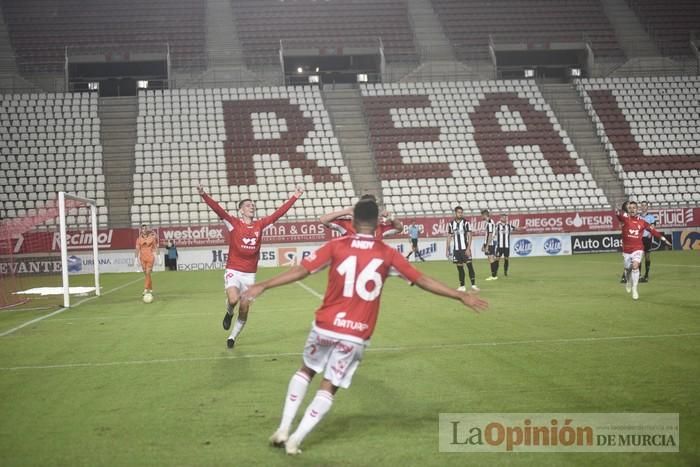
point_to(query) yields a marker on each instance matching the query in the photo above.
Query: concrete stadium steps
(118, 137)
(347, 115)
(631, 36)
(428, 32)
(569, 109)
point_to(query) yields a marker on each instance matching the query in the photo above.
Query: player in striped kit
(489, 247)
(459, 247)
(503, 231)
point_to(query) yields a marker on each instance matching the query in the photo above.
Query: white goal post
(62, 213)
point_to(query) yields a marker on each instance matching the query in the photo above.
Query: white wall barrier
(214, 257)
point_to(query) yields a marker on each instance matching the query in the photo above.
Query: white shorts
(239, 280)
(336, 358)
(634, 257)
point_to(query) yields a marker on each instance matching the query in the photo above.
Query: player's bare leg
(240, 322)
(295, 396)
(148, 281)
(232, 297)
(315, 412)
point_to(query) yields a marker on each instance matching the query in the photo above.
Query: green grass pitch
(116, 382)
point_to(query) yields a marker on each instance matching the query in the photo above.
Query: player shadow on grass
(381, 405)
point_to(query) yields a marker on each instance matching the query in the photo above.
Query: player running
(245, 239)
(489, 247)
(503, 231)
(633, 228)
(358, 266)
(146, 254)
(341, 221)
(459, 247)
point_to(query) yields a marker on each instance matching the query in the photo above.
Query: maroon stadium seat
(468, 24)
(40, 30)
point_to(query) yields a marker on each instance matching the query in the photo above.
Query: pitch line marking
(656, 264)
(61, 310)
(310, 290)
(399, 348)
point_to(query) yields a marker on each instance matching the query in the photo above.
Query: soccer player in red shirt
(245, 239)
(341, 221)
(633, 228)
(358, 266)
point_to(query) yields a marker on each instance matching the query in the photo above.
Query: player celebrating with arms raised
(633, 228)
(341, 221)
(146, 254)
(359, 265)
(245, 239)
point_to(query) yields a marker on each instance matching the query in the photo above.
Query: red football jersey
(345, 227)
(359, 265)
(632, 232)
(245, 240)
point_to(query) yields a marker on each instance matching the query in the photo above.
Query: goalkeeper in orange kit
(146, 253)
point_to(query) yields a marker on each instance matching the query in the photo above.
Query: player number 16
(348, 268)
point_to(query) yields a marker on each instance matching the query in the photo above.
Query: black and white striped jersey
(490, 229)
(459, 229)
(503, 232)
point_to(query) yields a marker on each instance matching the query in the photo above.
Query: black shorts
(460, 256)
(503, 251)
(647, 244)
(491, 250)
(414, 242)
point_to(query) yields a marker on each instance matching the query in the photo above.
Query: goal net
(39, 266)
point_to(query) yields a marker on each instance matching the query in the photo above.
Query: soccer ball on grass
(147, 298)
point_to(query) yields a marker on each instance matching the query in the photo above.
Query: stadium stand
(41, 29)
(239, 143)
(487, 144)
(670, 23)
(261, 24)
(49, 143)
(651, 130)
(469, 23)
